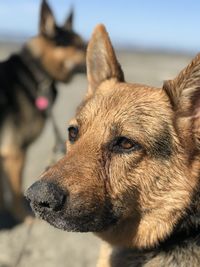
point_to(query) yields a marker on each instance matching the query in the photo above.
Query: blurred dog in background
(27, 94)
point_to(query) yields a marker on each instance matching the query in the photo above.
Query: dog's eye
(124, 144)
(73, 133)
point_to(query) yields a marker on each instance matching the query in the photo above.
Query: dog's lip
(71, 223)
(56, 219)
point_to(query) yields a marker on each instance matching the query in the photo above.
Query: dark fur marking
(65, 38)
(162, 147)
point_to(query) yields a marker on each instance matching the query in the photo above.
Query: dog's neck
(33, 63)
(30, 75)
(189, 226)
(187, 230)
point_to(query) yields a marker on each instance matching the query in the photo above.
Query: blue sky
(169, 24)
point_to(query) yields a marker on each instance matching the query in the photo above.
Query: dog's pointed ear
(68, 25)
(47, 20)
(184, 94)
(101, 60)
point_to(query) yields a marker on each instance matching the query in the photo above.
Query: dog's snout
(46, 196)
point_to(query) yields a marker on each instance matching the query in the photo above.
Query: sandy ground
(43, 245)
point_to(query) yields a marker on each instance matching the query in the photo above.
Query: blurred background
(154, 24)
(154, 40)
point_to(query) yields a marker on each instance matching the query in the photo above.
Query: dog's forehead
(64, 38)
(127, 106)
(125, 100)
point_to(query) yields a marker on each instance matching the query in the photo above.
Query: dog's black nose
(46, 196)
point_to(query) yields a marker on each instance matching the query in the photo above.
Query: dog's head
(133, 155)
(60, 49)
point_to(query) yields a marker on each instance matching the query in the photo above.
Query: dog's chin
(72, 222)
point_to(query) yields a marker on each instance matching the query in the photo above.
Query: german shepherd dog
(28, 91)
(131, 174)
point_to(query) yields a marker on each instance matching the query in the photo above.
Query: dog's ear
(102, 63)
(184, 94)
(68, 25)
(47, 20)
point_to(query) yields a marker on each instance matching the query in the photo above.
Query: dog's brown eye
(124, 144)
(73, 133)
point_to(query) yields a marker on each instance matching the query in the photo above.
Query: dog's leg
(1, 192)
(13, 164)
(104, 256)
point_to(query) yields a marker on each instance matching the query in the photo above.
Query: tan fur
(152, 186)
(58, 61)
(13, 164)
(59, 49)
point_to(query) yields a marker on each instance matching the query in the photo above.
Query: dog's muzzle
(56, 206)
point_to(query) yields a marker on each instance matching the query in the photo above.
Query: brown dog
(131, 174)
(27, 94)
